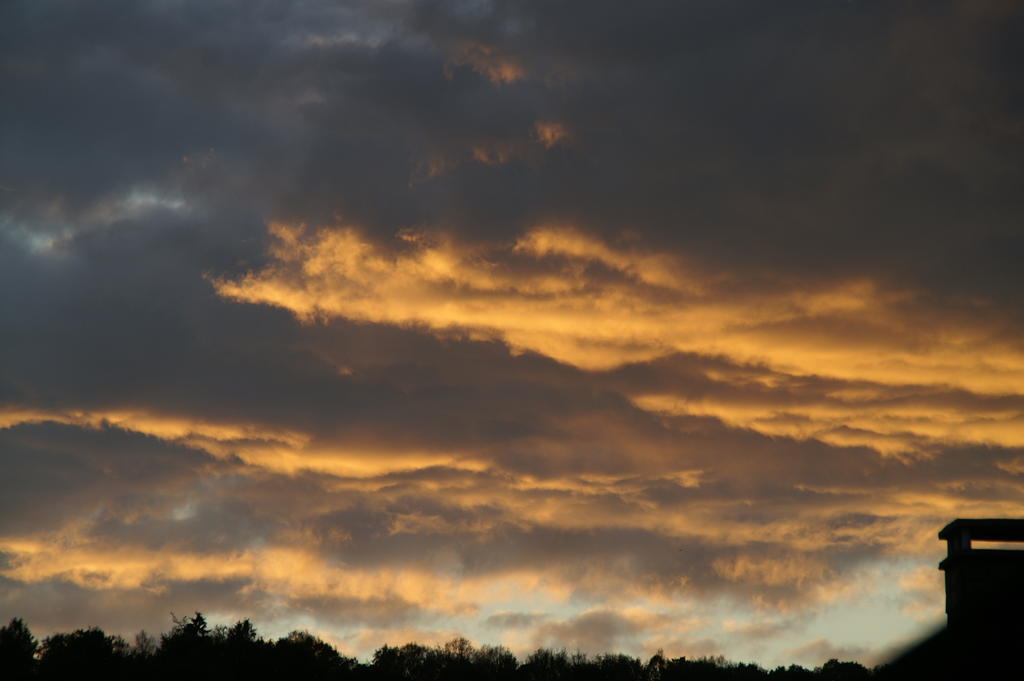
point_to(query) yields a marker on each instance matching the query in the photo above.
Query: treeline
(193, 651)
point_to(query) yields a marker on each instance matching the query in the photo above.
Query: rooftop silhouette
(984, 606)
(984, 587)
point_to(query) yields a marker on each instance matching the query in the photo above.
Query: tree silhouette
(619, 668)
(187, 650)
(411, 662)
(193, 651)
(144, 646)
(84, 653)
(834, 670)
(244, 655)
(546, 665)
(494, 663)
(655, 667)
(791, 673)
(302, 655)
(17, 650)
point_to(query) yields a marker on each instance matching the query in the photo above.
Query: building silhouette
(984, 586)
(984, 633)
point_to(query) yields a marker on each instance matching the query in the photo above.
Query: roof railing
(961, 532)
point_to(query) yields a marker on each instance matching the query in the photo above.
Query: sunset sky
(605, 325)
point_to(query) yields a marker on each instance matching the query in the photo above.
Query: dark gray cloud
(868, 131)
(514, 620)
(56, 473)
(592, 632)
(59, 606)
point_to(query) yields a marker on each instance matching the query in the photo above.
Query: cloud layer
(567, 324)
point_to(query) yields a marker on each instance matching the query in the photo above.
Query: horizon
(147, 644)
(566, 324)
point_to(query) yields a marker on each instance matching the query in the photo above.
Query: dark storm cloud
(53, 473)
(729, 130)
(867, 130)
(299, 112)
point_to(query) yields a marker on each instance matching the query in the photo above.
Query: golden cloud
(581, 300)
(488, 61)
(550, 133)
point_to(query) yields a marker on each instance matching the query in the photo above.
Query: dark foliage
(194, 651)
(85, 653)
(17, 650)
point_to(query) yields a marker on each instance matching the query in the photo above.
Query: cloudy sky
(586, 323)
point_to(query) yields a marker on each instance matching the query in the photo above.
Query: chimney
(984, 587)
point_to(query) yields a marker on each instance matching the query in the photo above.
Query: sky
(612, 326)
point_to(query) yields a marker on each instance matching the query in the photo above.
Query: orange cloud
(584, 301)
(486, 60)
(795, 570)
(550, 133)
(905, 427)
